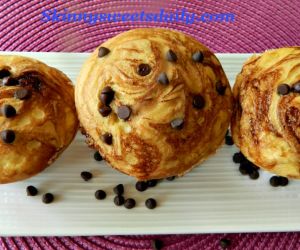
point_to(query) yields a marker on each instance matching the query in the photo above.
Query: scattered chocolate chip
(105, 111)
(228, 140)
(171, 56)
(4, 73)
(198, 102)
(124, 112)
(198, 56)
(157, 244)
(86, 175)
(8, 136)
(296, 87)
(48, 198)
(9, 81)
(254, 175)
(22, 94)
(170, 178)
(225, 243)
(107, 138)
(150, 203)
(107, 95)
(100, 195)
(243, 169)
(143, 69)
(274, 181)
(220, 88)
(103, 51)
(152, 183)
(238, 157)
(119, 200)
(97, 156)
(141, 186)
(283, 89)
(31, 191)
(129, 203)
(30, 79)
(119, 189)
(163, 78)
(283, 181)
(8, 111)
(177, 123)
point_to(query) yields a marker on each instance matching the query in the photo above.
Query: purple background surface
(258, 25)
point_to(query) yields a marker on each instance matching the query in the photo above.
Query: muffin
(37, 116)
(154, 102)
(266, 124)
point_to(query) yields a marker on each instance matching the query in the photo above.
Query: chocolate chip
(247, 166)
(4, 73)
(254, 175)
(22, 94)
(105, 111)
(283, 181)
(48, 198)
(163, 79)
(274, 181)
(225, 243)
(107, 95)
(107, 138)
(141, 186)
(228, 140)
(243, 169)
(8, 136)
(238, 157)
(119, 189)
(9, 81)
(283, 89)
(129, 203)
(8, 111)
(103, 51)
(97, 156)
(30, 79)
(152, 183)
(220, 88)
(31, 191)
(198, 56)
(171, 56)
(100, 195)
(170, 178)
(124, 112)
(143, 69)
(296, 87)
(177, 123)
(119, 200)
(150, 203)
(157, 244)
(198, 102)
(86, 175)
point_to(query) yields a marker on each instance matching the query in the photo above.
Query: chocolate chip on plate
(4, 73)
(225, 243)
(152, 183)
(100, 195)
(143, 69)
(119, 189)
(157, 244)
(296, 87)
(8, 111)
(31, 191)
(141, 186)
(107, 95)
(22, 94)
(8, 136)
(48, 198)
(86, 175)
(254, 175)
(163, 78)
(119, 200)
(283, 181)
(274, 181)
(238, 157)
(150, 203)
(177, 123)
(105, 110)
(107, 138)
(124, 112)
(171, 56)
(129, 203)
(283, 89)
(103, 51)
(220, 88)
(198, 56)
(9, 81)
(198, 102)
(228, 140)
(98, 156)
(243, 169)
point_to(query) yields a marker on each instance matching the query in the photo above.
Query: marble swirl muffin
(154, 102)
(37, 116)
(266, 124)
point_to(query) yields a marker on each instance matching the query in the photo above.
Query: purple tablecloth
(258, 25)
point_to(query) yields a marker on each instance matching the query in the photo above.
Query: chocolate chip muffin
(266, 124)
(37, 116)
(154, 102)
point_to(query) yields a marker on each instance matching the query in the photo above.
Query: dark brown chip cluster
(285, 89)
(276, 181)
(246, 167)
(33, 191)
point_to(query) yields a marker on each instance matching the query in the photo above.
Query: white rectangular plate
(212, 198)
